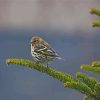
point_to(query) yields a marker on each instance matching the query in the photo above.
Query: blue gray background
(66, 25)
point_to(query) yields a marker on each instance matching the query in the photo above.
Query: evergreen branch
(97, 89)
(86, 97)
(68, 80)
(96, 24)
(81, 87)
(89, 81)
(50, 71)
(90, 68)
(95, 64)
(95, 11)
(89, 98)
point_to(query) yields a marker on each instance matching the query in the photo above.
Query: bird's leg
(47, 64)
(46, 61)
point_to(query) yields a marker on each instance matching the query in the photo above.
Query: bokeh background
(66, 25)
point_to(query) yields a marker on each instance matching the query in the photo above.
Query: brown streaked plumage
(42, 51)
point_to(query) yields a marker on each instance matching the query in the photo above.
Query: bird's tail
(61, 58)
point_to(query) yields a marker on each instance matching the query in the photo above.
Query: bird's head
(37, 41)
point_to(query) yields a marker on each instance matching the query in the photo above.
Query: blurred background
(66, 25)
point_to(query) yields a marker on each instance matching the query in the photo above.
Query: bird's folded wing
(46, 51)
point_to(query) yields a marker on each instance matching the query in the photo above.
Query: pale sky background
(57, 15)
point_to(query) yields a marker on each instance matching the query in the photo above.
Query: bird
(41, 50)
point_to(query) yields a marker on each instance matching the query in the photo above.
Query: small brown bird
(41, 51)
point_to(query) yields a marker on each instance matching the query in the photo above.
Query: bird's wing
(47, 51)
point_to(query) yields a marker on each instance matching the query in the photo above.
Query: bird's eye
(34, 40)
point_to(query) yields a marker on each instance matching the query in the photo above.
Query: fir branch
(95, 11)
(96, 23)
(95, 64)
(89, 98)
(90, 68)
(97, 89)
(89, 81)
(48, 70)
(81, 87)
(86, 98)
